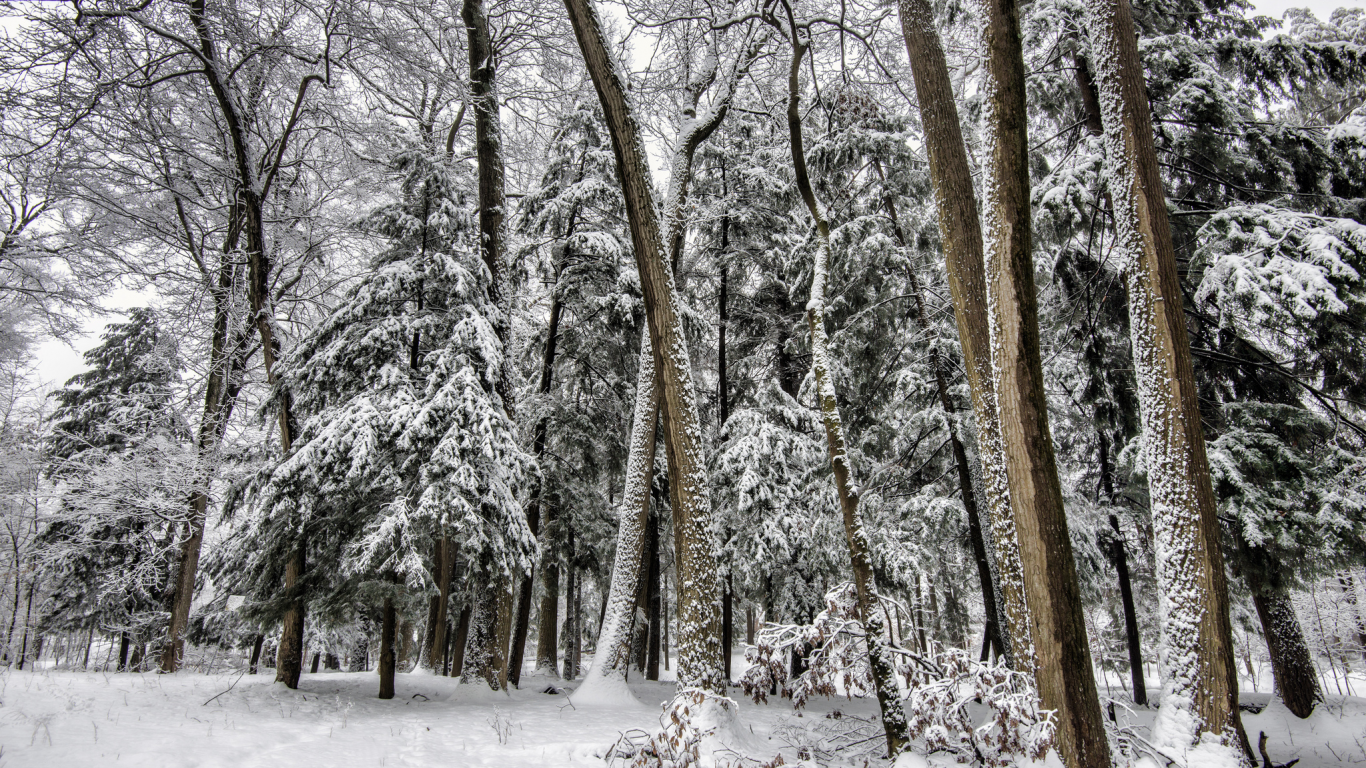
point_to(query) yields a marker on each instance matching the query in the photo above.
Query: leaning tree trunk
(869, 608)
(961, 233)
(1200, 681)
(699, 663)
(1063, 670)
(251, 193)
(614, 639)
(1297, 681)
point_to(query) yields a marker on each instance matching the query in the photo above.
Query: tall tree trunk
(488, 145)
(547, 645)
(652, 603)
(227, 346)
(1126, 595)
(482, 646)
(1297, 681)
(445, 569)
(571, 628)
(985, 579)
(614, 639)
(124, 644)
(1120, 557)
(1200, 681)
(540, 509)
(961, 233)
(700, 642)
(860, 555)
(1063, 669)
(387, 660)
(1350, 591)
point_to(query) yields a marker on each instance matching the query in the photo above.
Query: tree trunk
(860, 556)
(1063, 669)
(961, 233)
(1297, 681)
(1200, 681)
(614, 639)
(317, 659)
(550, 567)
(227, 347)
(124, 644)
(387, 660)
(727, 628)
(985, 579)
(1126, 594)
(445, 568)
(652, 603)
(547, 645)
(459, 642)
(1349, 589)
(700, 642)
(571, 628)
(256, 653)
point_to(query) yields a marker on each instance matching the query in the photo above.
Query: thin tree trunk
(571, 628)
(387, 660)
(652, 602)
(727, 628)
(1349, 589)
(961, 233)
(317, 659)
(1200, 681)
(227, 347)
(992, 629)
(860, 556)
(1063, 669)
(550, 572)
(700, 647)
(124, 644)
(1126, 594)
(256, 654)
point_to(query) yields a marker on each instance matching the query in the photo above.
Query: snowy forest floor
(57, 719)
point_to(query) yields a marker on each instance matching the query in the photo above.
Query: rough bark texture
(445, 566)
(614, 639)
(1297, 681)
(699, 647)
(548, 616)
(652, 600)
(1063, 670)
(961, 233)
(860, 556)
(1200, 685)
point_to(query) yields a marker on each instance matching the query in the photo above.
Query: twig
(234, 685)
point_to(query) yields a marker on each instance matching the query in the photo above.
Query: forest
(683, 383)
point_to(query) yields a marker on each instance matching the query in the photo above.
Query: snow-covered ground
(55, 719)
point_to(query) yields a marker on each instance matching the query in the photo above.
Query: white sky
(58, 361)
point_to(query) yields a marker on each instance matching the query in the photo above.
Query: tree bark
(1297, 681)
(700, 647)
(227, 346)
(547, 645)
(1063, 670)
(256, 653)
(387, 660)
(1200, 681)
(652, 602)
(458, 643)
(1126, 594)
(860, 556)
(961, 233)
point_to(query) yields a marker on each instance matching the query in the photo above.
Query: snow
(55, 719)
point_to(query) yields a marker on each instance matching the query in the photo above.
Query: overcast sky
(58, 362)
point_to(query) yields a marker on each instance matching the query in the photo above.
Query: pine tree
(118, 452)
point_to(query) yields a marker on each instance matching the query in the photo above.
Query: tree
(1200, 681)
(699, 663)
(118, 453)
